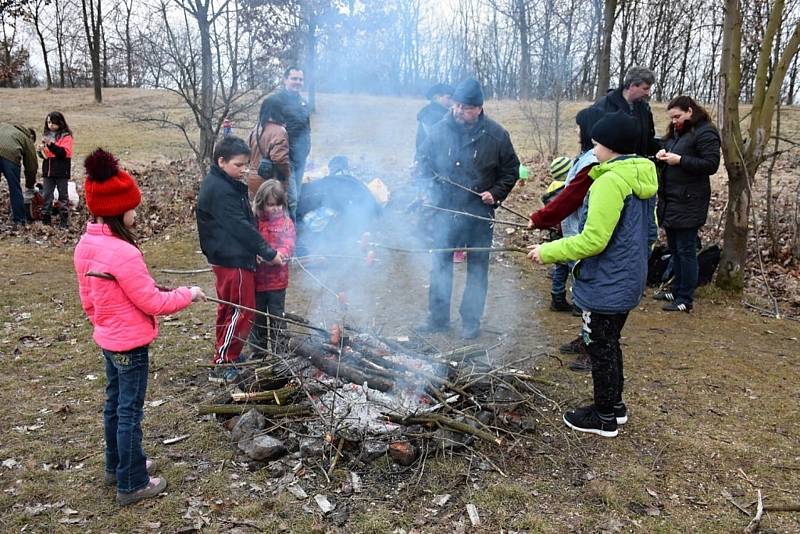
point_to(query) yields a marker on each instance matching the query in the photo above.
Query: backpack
(659, 265)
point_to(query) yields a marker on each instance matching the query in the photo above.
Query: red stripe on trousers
(235, 285)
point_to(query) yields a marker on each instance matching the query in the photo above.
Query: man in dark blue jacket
(470, 165)
(232, 245)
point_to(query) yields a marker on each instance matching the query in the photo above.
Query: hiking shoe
(587, 419)
(576, 311)
(470, 331)
(432, 327)
(573, 347)
(621, 413)
(153, 488)
(674, 306)
(558, 303)
(223, 375)
(582, 363)
(665, 295)
(111, 478)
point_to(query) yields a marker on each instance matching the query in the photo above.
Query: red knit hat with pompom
(110, 191)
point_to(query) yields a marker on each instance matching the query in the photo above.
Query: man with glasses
(469, 166)
(632, 98)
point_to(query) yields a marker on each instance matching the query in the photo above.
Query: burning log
(269, 410)
(321, 359)
(442, 421)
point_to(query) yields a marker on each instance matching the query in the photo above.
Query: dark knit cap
(469, 92)
(439, 89)
(617, 131)
(586, 119)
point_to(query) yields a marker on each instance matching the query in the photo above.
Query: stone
(403, 452)
(248, 424)
(263, 448)
(311, 447)
(371, 450)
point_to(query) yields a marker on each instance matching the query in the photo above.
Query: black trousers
(457, 231)
(272, 302)
(601, 333)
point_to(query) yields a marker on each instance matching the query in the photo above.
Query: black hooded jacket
(225, 223)
(480, 158)
(647, 145)
(426, 118)
(684, 190)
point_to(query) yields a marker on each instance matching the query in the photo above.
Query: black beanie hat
(469, 92)
(439, 89)
(617, 131)
(586, 119)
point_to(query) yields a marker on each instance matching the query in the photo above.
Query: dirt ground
(713, 397)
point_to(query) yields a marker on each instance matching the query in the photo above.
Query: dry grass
(713, 398)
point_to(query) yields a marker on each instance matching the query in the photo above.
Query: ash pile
(346, 397)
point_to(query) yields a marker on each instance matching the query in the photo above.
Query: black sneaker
(674, 306)
(432, 327)
(665, 295)
(621, 413)
(558, 302)
(576, 311)
(581, 364)
(587, 419)
(573, 347)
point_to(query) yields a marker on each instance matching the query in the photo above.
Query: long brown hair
(270, 189)
(683, 102)
(57, 118)
(117, 226)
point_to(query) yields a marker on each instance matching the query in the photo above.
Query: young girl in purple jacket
(122, 301)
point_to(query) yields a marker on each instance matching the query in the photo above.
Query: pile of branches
(417, 400)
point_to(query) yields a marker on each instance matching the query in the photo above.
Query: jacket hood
(638, 173)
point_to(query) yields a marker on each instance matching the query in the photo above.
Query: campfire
(356, 395)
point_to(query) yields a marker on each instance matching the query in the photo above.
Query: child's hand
(278, 259)
(530, 224)
(660, 154)
(534, 255)
(197, 294)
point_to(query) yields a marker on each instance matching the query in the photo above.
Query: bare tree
(93, 26)
(33, 13)
(745, 151)
(604, 53)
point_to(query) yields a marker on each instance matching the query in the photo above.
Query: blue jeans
(122, 417)
(560, 275)
(12, 173)
(451, 232)
(294, 185)
(683, 246)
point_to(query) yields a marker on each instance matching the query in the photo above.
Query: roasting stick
(108, 276)
(443, 250)
(467, 189)
(464, 213)
(293, 258)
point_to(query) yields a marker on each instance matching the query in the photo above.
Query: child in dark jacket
(616, 228)
(56, 149)
(276, 227)
(230, 240)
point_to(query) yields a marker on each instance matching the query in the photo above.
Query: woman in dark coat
(690, 156)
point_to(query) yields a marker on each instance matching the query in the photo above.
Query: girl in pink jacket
(122, 301)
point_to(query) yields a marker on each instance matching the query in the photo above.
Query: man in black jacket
(632, 99)
(298, 125)
(470, 165)
(230, 240)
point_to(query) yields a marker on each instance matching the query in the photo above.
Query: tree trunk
(92, 24)
(311, 60)
(206, 85)
(604, 57)
(37, 26)
(737, 224)
(525, 50)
